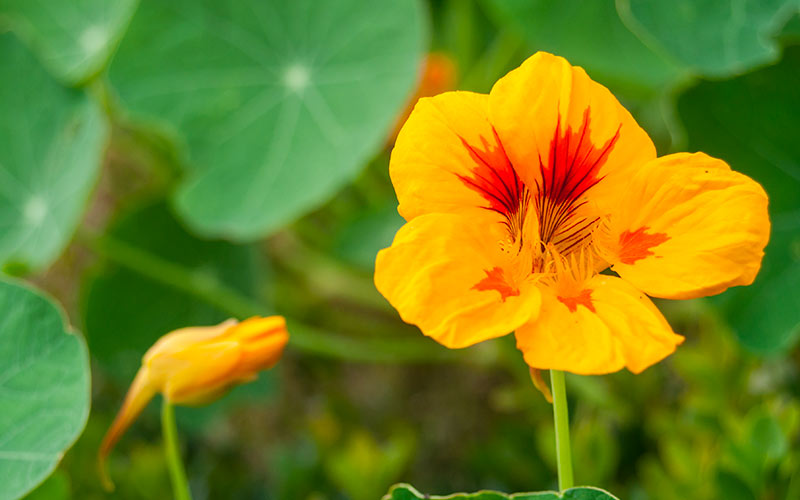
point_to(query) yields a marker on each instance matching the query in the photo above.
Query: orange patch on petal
(584, 298)
(637, 245)
(495, 280)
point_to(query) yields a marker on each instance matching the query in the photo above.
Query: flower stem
(177, 474)
(561, 417)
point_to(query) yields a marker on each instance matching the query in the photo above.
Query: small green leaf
(751, 123)
(44, 388)
(279, 103)
(710, 37)
(407, 492)
(570, 28)
(51, 148)
(74, 38)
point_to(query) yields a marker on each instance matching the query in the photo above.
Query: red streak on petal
(637, 245)
(571, 168)
(583, 299)
(493, 177)
(495, 280)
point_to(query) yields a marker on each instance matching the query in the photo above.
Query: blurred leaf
(126, 312)
(363, 467)
(767, 438)
(731, 487)
(360, 239)
(56, 487)
(591, 35)
(44, 388)
(279, 103)
(51, 146)
(710, 37)
(74, 38)
(407, 492)
(751, 122)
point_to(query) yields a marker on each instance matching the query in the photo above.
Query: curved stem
(180, 486)
(561, 417)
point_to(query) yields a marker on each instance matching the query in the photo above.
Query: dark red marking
(495, 280)
(584, 298)
(571, 169)
(637, 245)
(494, 178)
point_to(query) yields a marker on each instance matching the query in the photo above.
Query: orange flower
(196, 365)
(516, 201)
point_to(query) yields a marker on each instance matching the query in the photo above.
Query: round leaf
(280, 103)
(44, 388)
(51, 147)
(570, 28)
(711, 37)
(74, 39)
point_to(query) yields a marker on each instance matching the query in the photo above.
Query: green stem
(561, 417)
(180, 486)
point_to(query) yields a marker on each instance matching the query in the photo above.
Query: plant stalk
(561, 418)
(177, 474)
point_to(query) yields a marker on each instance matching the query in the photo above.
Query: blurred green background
(165, 164)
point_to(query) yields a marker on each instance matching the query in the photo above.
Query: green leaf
(51, 147)
(44, 388)
(56, 487)
(362, 236)
(74, 38)
(710, 37)
(279, 103)
(751, 122)
(407, 492)
(126, 311)
(591, 35)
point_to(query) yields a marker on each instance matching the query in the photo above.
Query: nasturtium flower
(196, 365)
(541, 208)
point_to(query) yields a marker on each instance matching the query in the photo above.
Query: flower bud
(196, 365)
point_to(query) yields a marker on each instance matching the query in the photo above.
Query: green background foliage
(165, 164)
(45, 388)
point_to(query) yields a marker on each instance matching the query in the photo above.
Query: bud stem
(177, 474)
(561, 417)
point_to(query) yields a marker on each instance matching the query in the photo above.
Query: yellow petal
(192, 376)
(262, 341)
(688, 226)
(549, 113)
(447, 158)
(600, 328)
(139, 394)
(448, 275)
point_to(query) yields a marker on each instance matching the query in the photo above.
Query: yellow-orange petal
(550, 113)
(447, 159)
(448, 275)
(602, 327)
(688, 226)
(139, 394)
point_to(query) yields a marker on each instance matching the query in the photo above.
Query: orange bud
(196, 365)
